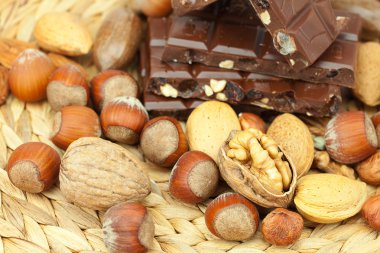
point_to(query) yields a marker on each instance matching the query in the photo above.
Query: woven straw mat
(48, 223)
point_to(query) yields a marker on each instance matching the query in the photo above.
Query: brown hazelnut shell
(350, 137)
(369, 170)
(150, 150)
(241, 180)
(371, 212)
(282, 227)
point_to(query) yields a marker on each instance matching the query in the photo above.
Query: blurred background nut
(351, 137)
(110, 84)
(4, 87)
(128, 227)
(254, 165)
(369, 170)
(282, 227)
(123, 119)
(251, 120)
(98, 174)
(163, 141)
(232, 217)
(63, 33)
(367, 87)
(194, 178)
(67, 86)
(73, 122)
(34, 167)
(329, 198)
(117, 39)
(152, 8)
(29, 75)
(295, 139)
(371, 212)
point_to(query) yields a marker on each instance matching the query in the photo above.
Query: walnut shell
(241, 179)
(98, 174)
(329, 198)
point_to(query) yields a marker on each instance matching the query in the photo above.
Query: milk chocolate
(196, 80)
(301, 30)
(233, 38)
(182, 7)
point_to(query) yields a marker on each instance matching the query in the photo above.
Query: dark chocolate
(234, 38)
(301, 30)
(182, 7)
(195, 81)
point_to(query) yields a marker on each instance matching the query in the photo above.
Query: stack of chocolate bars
(287, 56)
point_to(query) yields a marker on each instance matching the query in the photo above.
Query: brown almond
(10, 49)
(118, 39)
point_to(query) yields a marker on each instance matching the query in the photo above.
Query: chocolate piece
(202, 82)
(182, 7)
(301, 30)
(234, 39)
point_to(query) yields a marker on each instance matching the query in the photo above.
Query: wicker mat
(48, 223)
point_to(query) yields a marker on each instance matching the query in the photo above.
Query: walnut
(256, 167)
(98, 174)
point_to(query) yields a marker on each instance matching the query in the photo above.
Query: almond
(10, 49)
(63, 33)
(118, 39)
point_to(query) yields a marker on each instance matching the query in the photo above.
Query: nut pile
(268, 162)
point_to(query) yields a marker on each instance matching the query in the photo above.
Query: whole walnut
(369, 170)
(98, 174)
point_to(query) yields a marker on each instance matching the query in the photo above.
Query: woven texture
(48, 223)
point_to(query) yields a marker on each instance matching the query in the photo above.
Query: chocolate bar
(301, 30)
(197, 81)
(182, 7)
(233, 38)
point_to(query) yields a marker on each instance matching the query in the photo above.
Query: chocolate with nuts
(197, 81)
(232, 38)
(301, 30)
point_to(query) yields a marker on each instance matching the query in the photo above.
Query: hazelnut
(4, 88)
(376, 122)
(282, 227)
(34, 167)
(369, 170)
(72, 123)
(67, 86)
(232, 217)
(60, 61)
(128, 227)
(163, 141)
(351, 137)
(11, 48)
(251, 120)
(194, 177)
(123, 119)
(152, 8)
(29, 75)
(371, 212)
(110, 84)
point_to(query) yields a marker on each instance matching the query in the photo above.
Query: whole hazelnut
(371, 212)
(194, 177)
(123, 119)
(376, 122)
(128, 227)
(251, 120)
(33, 167)
(369, 170)
(282, 227)
(60, 61)
(163, 141)
(110, 84)
(232, 217)
(350, 137)
(67, 86)
(29, 75)
(72, 123)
